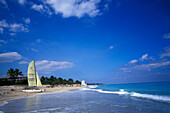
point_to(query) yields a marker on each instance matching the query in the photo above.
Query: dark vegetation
(6, 81)
(13, 79)
(57, 81)
(12, 76)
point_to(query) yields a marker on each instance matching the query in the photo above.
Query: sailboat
(33, 79)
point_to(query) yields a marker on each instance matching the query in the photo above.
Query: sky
(99, 41)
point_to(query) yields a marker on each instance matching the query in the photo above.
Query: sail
(31, 74)
(38, 80)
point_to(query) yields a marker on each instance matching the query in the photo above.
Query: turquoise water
(113, 98)
(159, 91)
(159, 88)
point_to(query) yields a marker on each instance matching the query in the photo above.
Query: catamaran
(33, 79)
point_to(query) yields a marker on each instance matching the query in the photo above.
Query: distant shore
(15, 92)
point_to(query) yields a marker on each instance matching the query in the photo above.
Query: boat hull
(33, 91)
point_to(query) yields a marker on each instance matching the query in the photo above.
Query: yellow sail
(31, 74)
(38, 80)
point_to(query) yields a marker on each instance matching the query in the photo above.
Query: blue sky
(108, 41)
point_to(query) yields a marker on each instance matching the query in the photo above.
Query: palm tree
(59, 80)
(78, 82)
(52, 78)
(11, 73)
(70, 81)
(43, 79)
(17, 72)
(65, 81)
(14, 74)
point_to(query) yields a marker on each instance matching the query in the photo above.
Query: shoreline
(15, 92)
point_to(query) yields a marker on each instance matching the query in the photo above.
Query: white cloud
(125, 69)
(38, 40)
(18, 28)
(147, 67)
(12, 34)
(152, 65)
(3, 41)
(4, 3)
(165, 53)
(12, 40)
(49, 66)
(106, 6)
(27, 20)
(42, 62)
(4, 24)
(166, 36)
(1, 30)
(133, 61)
(34, 50)
(144, 57)
(22, 2)
(77, 8)
(15, 27)
(111, 47)
(39, 8)
(23, 62)
(10, 57)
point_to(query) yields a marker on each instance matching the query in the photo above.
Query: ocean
(112, 98)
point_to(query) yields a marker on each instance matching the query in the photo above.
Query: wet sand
(14, 92)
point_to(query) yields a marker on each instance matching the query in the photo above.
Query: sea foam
(5, 102)
(133, 94)
(93, 86)
(153, 97)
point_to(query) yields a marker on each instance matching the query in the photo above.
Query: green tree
(43, 80)
(5, 82)
(21, 82)
(60, 80)
(17, 72)
(78, 82)
(46, 78)
(52, 78)
(13, 74)
(65, 81)
(70, 81)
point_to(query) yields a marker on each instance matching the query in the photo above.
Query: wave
(134, 94)
(153, 97)
(93, 86)
(43, 110)
(5, 102)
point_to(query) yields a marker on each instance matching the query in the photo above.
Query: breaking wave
(5, 102)
(133, 94)
(93, 86)
(153, 97)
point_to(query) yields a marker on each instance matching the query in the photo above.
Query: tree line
(56, 81)
(14, 74)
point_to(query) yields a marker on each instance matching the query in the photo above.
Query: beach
(15, 92)
(111, 98)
